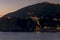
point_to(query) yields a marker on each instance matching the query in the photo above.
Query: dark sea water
(29, 36)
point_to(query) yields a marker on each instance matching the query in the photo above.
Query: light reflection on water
(29, 36)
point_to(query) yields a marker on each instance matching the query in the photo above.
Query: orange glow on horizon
(6, 11)
(7, 6)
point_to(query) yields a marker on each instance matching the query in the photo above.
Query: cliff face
(20, 20)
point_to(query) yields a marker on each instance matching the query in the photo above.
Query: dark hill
(40, 9)
(20, 20)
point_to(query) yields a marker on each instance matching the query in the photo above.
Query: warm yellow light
(37, 28)
(9, 17)
(45, 27)
(58, 28)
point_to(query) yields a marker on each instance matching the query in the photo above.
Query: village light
(9, 17)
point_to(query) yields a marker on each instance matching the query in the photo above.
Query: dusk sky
(7, 6)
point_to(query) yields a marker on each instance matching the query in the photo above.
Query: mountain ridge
(27, 18)
(40, 7)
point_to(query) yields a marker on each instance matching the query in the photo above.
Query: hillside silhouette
(38, 17)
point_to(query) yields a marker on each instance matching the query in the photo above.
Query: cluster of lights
(56, 19)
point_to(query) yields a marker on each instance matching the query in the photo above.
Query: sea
(29, 35)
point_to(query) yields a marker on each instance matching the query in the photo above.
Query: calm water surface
(29, 36)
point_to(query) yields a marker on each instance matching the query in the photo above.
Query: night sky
(7, 6)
